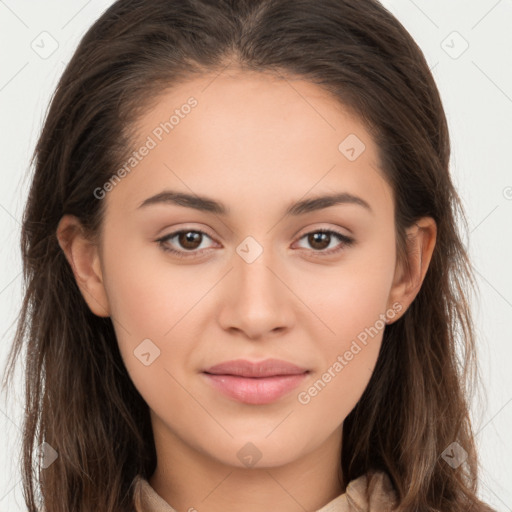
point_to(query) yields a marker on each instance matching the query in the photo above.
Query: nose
(257, 300)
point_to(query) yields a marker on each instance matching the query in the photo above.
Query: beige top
(372, 492)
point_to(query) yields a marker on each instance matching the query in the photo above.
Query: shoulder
(373, 491)
(146, 499)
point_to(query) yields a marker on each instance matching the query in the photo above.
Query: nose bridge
(257, 302)
(253, 268)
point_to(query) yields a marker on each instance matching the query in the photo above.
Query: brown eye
(184, 243)
(189, 239)
(321, 239)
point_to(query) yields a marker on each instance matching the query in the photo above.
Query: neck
(191, 480)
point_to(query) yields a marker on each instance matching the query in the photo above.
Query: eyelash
(345, 242)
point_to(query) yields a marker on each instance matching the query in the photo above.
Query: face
(259, 270)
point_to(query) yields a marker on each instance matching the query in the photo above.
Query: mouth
(255, 383)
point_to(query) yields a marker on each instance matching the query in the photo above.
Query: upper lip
(267, 368)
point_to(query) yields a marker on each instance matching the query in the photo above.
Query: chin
(259, 452)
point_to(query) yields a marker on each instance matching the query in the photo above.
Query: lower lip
(256, 391)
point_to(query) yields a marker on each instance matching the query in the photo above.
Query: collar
(372, 492)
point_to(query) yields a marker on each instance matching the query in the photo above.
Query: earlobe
(82, 255)
(421, 240)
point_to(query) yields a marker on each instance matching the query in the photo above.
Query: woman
(303, 355)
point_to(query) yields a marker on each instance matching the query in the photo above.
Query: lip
(255, 383)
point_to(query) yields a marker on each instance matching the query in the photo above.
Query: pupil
(189, 241)
(317, 239)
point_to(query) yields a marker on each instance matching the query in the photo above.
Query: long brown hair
(79, 397)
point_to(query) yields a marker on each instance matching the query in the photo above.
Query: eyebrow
(207, 204)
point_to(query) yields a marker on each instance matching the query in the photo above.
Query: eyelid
(315, 229)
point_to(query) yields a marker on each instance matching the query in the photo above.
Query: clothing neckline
(371, 492)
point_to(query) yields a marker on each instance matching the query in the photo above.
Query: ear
(83, 256)
(421, 240)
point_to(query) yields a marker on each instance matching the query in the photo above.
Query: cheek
(148, 296)
(347, 355)
(153, 339)
(151, 307)
(334, 391)
(353, 295)
(351, 304)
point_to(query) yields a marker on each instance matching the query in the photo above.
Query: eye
(189, 239)
(322, 238)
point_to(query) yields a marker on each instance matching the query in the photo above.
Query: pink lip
(255, 383)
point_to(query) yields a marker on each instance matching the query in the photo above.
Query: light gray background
(476, 88)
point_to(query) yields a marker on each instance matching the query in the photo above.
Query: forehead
(250, 135)
(250, 105)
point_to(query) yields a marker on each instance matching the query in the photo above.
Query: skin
(257, 144)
